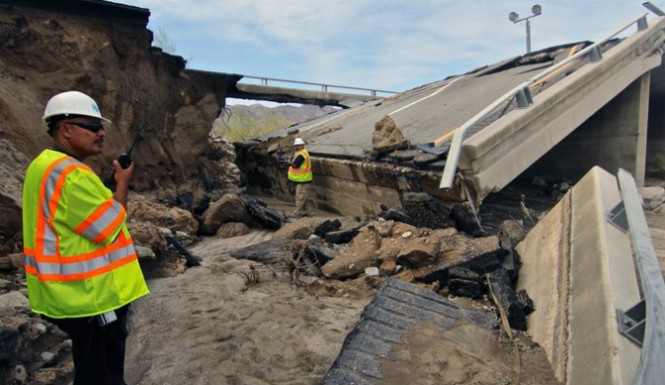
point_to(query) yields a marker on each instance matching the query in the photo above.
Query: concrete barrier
(503, 150)
(578, 268)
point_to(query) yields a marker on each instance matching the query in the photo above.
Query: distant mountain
(241, 123)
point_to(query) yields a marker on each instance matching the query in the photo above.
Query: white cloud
(384, 44)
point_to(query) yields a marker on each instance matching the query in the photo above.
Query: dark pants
(99, 351)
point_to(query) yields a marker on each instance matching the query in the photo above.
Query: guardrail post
(650, 369)
(642, 23)
(523, 98)
(264, 81)
(596, 54)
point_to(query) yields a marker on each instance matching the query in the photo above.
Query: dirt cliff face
(106, 53)
(104, 49)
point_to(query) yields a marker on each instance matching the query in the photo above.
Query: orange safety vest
(80, 259)
(304, 172)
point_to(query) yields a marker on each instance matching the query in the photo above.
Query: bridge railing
(642, 323)
(523, 98)
(324, 87)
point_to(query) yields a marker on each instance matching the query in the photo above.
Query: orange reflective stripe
(28, 251)
(81, 276)
(94, 216)
(112, 227)
(300, 170)
(121, 242)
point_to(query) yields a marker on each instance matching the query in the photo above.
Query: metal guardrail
(522, 94)
(324, 87)
(650, 369)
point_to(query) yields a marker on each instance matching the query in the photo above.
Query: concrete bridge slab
(578, 268)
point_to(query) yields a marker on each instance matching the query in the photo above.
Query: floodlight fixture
(514, 17)
(657, 11)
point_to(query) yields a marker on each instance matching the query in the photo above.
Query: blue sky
(381, 44)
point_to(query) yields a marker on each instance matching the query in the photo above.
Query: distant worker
(81, 266)
(300, 172)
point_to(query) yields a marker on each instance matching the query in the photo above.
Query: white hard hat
(72, 103)
(298, 142)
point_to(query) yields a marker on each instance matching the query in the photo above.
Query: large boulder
(420, 251)
(12, 301)
(387, 137)
(148, 235)
(11, 262)
(653, 197)
(232, 229)
(145, 209)
(301, 228)
(229, 208)
(361, 253)
(245, 209)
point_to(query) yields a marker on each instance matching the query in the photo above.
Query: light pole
(514, 17)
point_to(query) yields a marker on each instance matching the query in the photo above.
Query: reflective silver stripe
(50, 241)
(50, 238)
(30, 261)
(51, 180)
(80, 267)
(99, 225)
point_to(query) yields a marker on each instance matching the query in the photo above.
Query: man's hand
(122, 177)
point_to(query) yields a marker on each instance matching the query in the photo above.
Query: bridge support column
(614, 137)
(656, 142)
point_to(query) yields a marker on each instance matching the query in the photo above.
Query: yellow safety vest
(80, 259)
(304, 172)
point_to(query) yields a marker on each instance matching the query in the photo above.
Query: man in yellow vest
(81, 267)
(300, 172)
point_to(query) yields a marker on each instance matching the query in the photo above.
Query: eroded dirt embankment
(104, 49)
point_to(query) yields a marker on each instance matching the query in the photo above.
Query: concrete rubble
(443, 260)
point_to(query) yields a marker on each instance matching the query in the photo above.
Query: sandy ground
(208, 326)
(465, 354)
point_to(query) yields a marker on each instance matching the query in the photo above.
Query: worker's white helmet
(72, 103)
(298, 142)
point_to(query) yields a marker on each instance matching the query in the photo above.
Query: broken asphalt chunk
(503, 291)
(268, 252)
(342, 236)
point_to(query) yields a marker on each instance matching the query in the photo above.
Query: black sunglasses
(92, 127)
